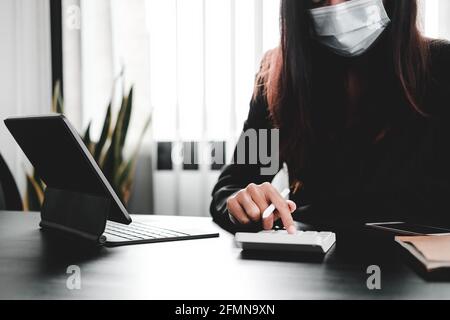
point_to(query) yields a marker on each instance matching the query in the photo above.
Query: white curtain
(436, 17)
(25, 64)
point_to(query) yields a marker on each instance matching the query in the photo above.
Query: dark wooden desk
(33, 266)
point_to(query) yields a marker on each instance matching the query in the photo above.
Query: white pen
(271, 208)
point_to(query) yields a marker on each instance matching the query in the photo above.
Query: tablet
(403, 228)
(62, 160)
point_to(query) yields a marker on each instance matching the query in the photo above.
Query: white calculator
(280, 240)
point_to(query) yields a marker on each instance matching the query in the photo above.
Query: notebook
(433, 252)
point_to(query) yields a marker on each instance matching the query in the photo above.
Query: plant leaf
(34, 196)
(126, 117)
(116, 146)
(87, 138)
(39, 181)
(56, 93)
(108, 164)
(57, 99)
(113, 156)
(127, 171)
(104, 135)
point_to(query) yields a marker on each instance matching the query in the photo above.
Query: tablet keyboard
(137, 231)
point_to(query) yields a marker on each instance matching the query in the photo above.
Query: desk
(32, 266)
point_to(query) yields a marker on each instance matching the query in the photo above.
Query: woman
(362, 103)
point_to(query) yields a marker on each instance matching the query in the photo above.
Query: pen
(271, 208)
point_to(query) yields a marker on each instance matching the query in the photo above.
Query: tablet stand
(76, 213)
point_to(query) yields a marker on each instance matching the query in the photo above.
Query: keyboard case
(79, 214)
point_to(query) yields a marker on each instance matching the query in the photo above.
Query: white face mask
(350, 28)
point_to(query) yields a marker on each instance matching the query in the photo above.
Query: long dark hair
(302, 81)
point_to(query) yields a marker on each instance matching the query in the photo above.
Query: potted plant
(108, 151)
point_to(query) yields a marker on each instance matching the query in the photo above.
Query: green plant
(108, 151)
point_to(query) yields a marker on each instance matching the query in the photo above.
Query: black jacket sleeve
(237, 176)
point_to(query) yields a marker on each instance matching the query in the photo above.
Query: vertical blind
(203, 57)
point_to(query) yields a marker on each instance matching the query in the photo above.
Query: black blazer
(405, 177)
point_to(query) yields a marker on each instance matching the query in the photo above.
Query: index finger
(282, 207)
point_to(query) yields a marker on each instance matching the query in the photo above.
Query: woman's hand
(249, 204)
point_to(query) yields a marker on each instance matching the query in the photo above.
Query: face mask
(350, 28)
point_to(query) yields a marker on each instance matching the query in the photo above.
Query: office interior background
(192, 65)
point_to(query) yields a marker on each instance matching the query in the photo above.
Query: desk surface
(33, 266)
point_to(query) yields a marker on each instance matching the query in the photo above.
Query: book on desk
(431, 251)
